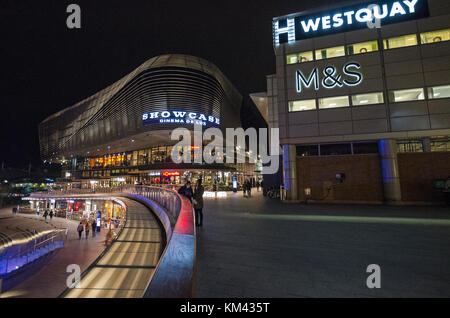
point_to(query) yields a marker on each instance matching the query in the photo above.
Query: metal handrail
(180, 250)
(30, 247)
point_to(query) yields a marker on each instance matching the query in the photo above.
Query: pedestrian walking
(109, 237)
(80, 230)
(244, 188)
(51, 215)
(45, 215)
(198, 202)
(94, 227)
(87, 228)
(14, 210)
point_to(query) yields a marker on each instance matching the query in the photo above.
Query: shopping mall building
(363, 105)
(122, 134)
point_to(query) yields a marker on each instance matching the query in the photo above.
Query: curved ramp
(125, 269)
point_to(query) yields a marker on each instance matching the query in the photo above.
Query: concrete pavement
(260, 247)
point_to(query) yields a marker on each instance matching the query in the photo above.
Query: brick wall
(363, 178)
(418, 171)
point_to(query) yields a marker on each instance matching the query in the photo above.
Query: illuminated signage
(302, 26)
(179, 117)
(330, 77)
(167, 174)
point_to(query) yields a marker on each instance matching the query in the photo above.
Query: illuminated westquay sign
(302, 26)
(330, 77)
(179, 117)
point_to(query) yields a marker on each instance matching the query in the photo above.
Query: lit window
(440, 144)
(405, 95)
(435, 36)
(400, 41)
(299, 57)
(333, 102)
(367, 99)
(361, 48)
(301, 105)
(439, 92)
(330, 52)
(410, 146)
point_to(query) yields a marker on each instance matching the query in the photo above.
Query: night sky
(47, 67)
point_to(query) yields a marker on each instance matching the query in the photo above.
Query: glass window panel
(333, 102)
(361, 48)
(439, 92)
(405, 95)
(330, 52)
(156, 157)
(440, 144)
(292, 59)
(335, 149)
(365, 147)
(301, 105)
(308, 150)
(410, 146)
(400, 41)
(367, 99)
(299, 57)
(169, 154)
(435, 36)
(162, 152)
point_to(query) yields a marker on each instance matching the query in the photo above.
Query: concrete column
(389, 170)
(426, 144)
(290, 171)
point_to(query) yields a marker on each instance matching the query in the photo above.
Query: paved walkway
(50, 280)
(259, 247)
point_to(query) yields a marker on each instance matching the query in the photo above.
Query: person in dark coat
(186, 191)
(198, 202)
(80, 230)
(94, 227)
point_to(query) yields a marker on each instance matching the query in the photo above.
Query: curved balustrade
(175, 273)
(19, 250)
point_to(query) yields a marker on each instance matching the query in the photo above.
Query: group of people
(247, 188)
(248, 185)
(87, 225)
(15, 210)
(196, 197)
(48, 214)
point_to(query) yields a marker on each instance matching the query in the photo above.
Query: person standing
(45, 215)
(51, 215)
(244, 188)
(186, 190)
(198, 203)
(94, 227)
(80, 230)
(87, 228)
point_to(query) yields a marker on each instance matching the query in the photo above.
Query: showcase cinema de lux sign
(180, 117)
(296, 27)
